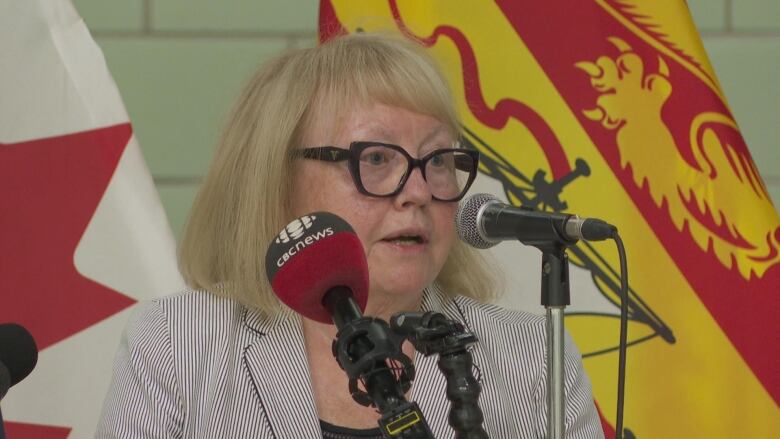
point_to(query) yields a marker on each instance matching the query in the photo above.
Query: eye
(442, 160)
(376, 158)
(437, 160)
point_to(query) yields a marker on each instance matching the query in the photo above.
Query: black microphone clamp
(434, 333)
(364, 348)
(431, 332)
(379, 372)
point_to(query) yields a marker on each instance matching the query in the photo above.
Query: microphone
(313, 255)
(18, 355)
(483, 221)
(317, 267)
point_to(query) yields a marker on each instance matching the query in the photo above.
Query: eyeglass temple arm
(325, 153)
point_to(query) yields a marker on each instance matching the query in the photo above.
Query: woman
(226, 360)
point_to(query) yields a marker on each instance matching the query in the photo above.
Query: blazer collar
(279, 370)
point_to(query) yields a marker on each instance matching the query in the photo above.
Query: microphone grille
(467, 220)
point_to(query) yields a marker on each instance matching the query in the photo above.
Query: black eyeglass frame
(352, 155)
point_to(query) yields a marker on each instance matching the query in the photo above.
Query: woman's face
(406, 237)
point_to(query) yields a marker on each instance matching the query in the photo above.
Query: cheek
(444, 218)
(315, 188)
(327, 190)
(365, 215)
(304, 191)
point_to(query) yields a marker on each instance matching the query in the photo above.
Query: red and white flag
(83, 235)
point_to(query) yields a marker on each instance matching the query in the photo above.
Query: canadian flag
(83, 235)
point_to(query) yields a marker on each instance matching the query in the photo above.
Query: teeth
(407, 240)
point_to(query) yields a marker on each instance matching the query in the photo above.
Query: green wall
(179, 64)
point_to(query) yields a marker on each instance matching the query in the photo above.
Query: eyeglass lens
(383, 168)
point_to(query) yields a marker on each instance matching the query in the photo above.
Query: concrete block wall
(180, 63)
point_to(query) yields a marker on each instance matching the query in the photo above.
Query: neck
(384, 306)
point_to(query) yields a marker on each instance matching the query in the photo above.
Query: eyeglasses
(382, 169)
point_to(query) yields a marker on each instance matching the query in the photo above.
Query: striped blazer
(194, 365)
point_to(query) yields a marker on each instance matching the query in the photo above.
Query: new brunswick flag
(611, 109)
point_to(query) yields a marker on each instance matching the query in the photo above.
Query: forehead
(377, 121)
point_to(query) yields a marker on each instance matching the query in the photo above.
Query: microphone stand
(363, 348)
(434, 333)
(555, 297)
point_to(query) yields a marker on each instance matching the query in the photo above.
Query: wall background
(179, 64)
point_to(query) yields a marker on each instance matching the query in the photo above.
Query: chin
(401, 278)
(399, 291)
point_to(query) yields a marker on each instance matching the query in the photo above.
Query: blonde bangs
(354, 72)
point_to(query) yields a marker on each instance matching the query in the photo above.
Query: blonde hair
(245, 197)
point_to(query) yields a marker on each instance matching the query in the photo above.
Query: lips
(407, 237)
(405, 240)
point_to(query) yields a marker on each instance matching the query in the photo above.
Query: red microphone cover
(311, 255)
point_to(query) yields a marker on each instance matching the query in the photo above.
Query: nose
(415, 191)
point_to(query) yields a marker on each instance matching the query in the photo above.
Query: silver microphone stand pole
(555, 297)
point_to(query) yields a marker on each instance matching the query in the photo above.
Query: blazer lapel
(278, 368)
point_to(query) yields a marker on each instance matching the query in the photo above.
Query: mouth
(407, 239)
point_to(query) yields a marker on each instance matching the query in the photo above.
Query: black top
(330, 431)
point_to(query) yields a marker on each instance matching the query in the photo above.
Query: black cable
(621, 387)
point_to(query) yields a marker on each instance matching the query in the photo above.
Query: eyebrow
(432, 135)
(380, 130)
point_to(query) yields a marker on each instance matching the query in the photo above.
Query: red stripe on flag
(329, 24)
(18, 430)
(609, 429)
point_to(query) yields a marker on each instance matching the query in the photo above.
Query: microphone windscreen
(311, 255)
(467, 220)
(18, 351)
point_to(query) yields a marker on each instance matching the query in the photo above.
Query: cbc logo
(295, 229)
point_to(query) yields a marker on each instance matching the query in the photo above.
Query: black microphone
(18, 355)
(483, 221)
